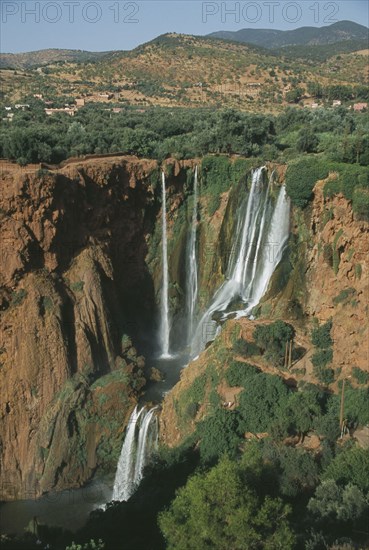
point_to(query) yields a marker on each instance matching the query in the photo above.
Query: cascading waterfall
(272, 251)
(259, 244)
(191, 265)
(140, 441)
(260, 238)
(164, 323)
(126, 464)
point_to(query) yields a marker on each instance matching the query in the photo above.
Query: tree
(272, 339)
(261, 403)
(301, 176)
(307, 141)
(302, 409)
(294, 96)
(321, 336)
(333, 502)
(350, 466)
(218, 435)
(219, 510)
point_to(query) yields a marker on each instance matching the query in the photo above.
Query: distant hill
(29, 60)
(186, 71)
(320, 53)
(344, 36)
(310, 36)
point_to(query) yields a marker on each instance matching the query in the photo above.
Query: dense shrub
(321, 336)
(219, 509)
(244, 348)
(272, 340)
(218, 435)
(240, 374)
(361, 376)
(360, 203)
(356, 405)
(261, 403)
(322, 358)
(344, 295)
(350, 466)
(301, 176)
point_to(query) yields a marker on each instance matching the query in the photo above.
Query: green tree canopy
(219, 511)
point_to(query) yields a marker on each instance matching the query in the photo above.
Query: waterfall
(260, 239)
(191, 265)
(140, 440)
(164, 324)
(272, 251)
(124, 477)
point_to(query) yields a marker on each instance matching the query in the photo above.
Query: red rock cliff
(74, 242)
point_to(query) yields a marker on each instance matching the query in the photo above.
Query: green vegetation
(272, 339)
(322, 340)
(301, 176)
(361, 376)
(240, 374)
(220, 509)
(77, 286)
(218, 174)
(321, 336)
(91, 545)
(18, 297)
(344, 296)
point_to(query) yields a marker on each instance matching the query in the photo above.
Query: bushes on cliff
(321, 335)
(218, 435)
(261, 403)
(301, 176)
(272, 340)
(360, 203)
(240, 374)
(218, 173)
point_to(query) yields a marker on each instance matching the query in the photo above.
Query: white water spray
(164, 323)
(191, 267)
(260, 241)
(140, 441)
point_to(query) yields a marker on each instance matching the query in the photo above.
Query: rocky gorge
(80, 281)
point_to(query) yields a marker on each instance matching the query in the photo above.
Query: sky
(122, 25)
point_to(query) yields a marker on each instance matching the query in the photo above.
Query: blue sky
(116, 24)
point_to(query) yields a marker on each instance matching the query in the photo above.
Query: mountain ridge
(307, 35)
(342, 32)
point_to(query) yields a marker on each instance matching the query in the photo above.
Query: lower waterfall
(140, 441)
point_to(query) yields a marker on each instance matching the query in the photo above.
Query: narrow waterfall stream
(164, 321)
(191, 265)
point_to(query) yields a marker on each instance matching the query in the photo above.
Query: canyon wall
(73, 277)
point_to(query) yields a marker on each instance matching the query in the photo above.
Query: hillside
(307, 36)
(29, 60)
(186, 71)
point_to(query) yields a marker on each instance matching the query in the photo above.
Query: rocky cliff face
(337, 278)
(73, 275)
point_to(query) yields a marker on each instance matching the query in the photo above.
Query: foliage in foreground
(220, 509)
